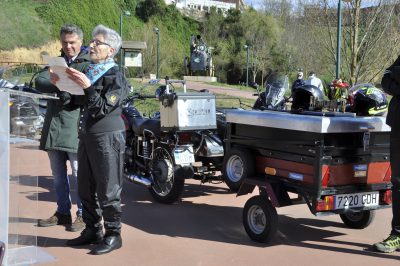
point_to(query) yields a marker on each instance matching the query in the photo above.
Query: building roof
(134, 45)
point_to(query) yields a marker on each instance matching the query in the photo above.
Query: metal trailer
(336, 163)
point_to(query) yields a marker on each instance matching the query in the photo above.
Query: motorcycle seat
(153, 125)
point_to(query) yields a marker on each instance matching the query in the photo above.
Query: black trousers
(100, 160)
(395, 165)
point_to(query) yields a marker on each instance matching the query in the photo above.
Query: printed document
(58, 66)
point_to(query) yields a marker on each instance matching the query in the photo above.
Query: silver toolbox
(189, 111)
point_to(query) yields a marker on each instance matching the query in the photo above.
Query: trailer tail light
(325, 173)
(326, 204)
(387, 197)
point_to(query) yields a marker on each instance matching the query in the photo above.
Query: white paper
(58, 66)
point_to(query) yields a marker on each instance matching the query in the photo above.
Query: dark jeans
(100, 158)
(395, 165)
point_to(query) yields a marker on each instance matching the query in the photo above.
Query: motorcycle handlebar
(139, 96)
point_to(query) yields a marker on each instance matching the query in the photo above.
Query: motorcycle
(26, 112)
(276, 93)
(176, 143)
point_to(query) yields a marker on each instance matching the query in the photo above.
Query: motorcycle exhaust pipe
(141, 180)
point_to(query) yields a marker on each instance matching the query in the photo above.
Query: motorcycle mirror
(253, 85)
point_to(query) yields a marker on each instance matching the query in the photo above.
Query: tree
(369, 36)
(262, 34)
(366, 32)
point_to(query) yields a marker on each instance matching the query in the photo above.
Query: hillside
(25, 37)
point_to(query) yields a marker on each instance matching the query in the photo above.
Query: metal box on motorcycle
(189, 111)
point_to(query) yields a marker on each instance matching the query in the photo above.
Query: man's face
(71, 44)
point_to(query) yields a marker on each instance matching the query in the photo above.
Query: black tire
(238, 164)
(260, 219)
(165, 187)
(358, 220)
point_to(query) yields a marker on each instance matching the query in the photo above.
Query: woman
(102, 143)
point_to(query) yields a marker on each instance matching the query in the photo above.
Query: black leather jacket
(101, 111)
(391, 85)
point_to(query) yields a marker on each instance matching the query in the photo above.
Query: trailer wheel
(358, 220)
(260, 219)
(237, 165)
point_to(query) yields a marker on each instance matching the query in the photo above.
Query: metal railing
(23, 67)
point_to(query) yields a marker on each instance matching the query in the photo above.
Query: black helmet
(369, 101)
(302, 96)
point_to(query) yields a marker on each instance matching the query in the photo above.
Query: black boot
(110, 242)
(88, 236)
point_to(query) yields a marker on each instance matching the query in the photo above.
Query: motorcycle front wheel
(165, 188)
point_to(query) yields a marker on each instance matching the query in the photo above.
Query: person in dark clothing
(195, 41)
(59, 134)
(102, 142)
(391, 85)
(298, 82)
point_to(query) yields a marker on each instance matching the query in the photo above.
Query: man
(298, 82)
(313, 80)
(391, 85)
(195, 41)
(60, 135)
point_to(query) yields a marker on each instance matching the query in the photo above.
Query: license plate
(184, 155)
(366, 199)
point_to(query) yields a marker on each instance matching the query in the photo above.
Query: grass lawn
(149, 106)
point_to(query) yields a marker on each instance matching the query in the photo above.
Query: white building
(205, 5)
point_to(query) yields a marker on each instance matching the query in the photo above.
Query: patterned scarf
(95, 71)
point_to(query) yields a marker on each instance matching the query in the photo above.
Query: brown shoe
(56, 219)
(77, 225)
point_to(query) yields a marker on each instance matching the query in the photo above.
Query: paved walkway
(229, 91)
(205, 228)
(221, 90)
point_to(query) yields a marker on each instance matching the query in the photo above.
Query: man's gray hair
(111, 37)
(70, 29)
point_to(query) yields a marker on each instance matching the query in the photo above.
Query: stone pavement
(204, 228)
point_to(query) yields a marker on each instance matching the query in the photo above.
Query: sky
(257, 4)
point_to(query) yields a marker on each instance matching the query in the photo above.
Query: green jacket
(60, 130)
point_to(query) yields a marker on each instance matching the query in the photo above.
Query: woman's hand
(54, 78)
(78, 77)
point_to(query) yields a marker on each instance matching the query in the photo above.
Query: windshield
(277, 79)
(276, 87)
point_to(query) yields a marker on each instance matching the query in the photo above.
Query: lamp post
(247, 47)
(126, 13)
(338, 38)
(157, 32)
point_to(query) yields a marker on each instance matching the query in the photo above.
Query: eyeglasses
(97, 42)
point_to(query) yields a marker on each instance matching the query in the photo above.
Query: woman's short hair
(70, 29)
(111, 37)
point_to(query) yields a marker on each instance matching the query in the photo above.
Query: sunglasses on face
(97, 42)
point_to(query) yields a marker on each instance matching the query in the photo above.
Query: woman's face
(99, 49)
